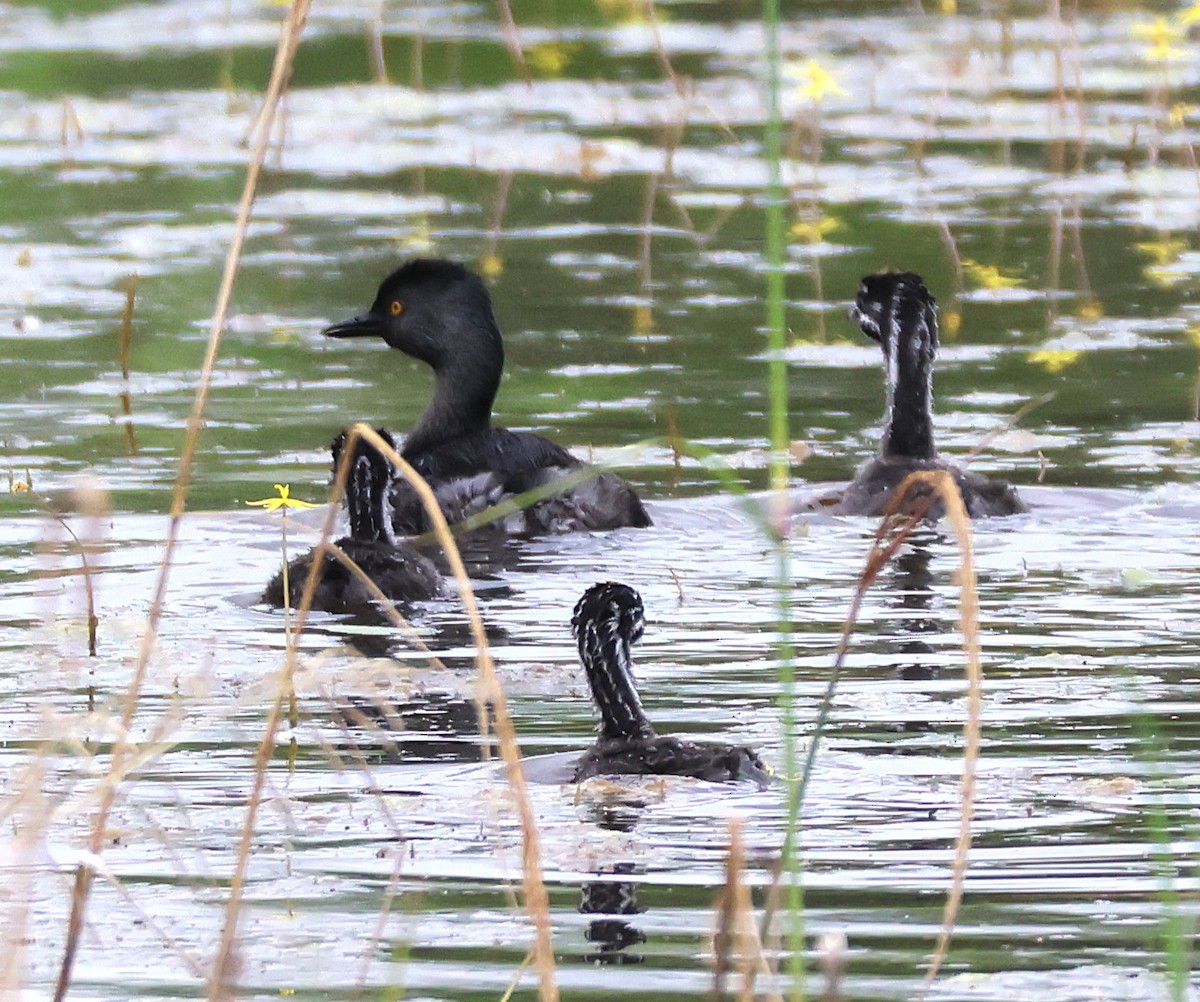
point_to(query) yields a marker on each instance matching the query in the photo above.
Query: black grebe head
(441, 313)
(430, 309)
(607, 620)
(368, 488)
(615, 606)
(895, 309)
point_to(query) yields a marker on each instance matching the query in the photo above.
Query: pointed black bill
(366, 325)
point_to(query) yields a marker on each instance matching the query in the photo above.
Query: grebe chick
(440, 313)
(895, 309)
(400, 571)
(608, 620)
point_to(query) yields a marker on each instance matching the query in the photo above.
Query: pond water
(1037, 167)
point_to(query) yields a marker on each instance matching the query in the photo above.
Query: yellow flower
(1178, 115)
(1054, 360)
(284, 500)
(1162, 36)
(949, 6)
(643, 320)
(419, 240)
(814, 230)
(815, 82)
(549, 59)
(1190, 15)
(951, 323)
(492, 265)
(1093, 309)
(1162, 277)
(1193, 334)
(989, 276)
(1164, 250)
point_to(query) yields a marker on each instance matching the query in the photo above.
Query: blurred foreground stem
(777, 397)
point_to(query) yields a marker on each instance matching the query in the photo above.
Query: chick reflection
(611, 900)
(612, 935)
(912, 581)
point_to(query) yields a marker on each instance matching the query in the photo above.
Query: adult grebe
(399, 570)
(895, 309)
(441, 313)
(608, 619)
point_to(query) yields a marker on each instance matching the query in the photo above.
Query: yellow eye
(397, 307)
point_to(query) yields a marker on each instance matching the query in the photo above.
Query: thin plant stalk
(280, 72)
(939, 486)
(1177, 926)
(537, 902)
(780, 440)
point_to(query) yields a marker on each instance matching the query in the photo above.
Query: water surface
(1035, 171)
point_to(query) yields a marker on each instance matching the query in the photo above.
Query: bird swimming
(402, 573)
(441, 313)
(895, 309)
(608, 619)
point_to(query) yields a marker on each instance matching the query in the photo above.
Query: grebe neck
(605, 655)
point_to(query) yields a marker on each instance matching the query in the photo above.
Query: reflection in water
(612, 936)
(434, 727)
(610, 898)
(912, 581)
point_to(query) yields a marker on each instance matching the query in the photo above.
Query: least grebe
(609, 619)
(895, 309)
(401, 573)
(440, 313)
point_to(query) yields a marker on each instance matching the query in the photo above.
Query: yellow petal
(989, 276)
(492, 265)
(814, 230)
(816, 82)
(1054, 360)
(1163, 250)
(284, 500)
(1178, 115)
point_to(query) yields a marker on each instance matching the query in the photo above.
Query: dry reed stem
(385, 909)
(223, 964)
(537, 902)
(516, 978)
(660, 50)
(512, 40)
(726, 908)
(1007, 424)
(943, 488)
(124, 358)
(736, 940)
(880, 554)
(536, 899)
(289, 37)
(968, 619)
(89, 590)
